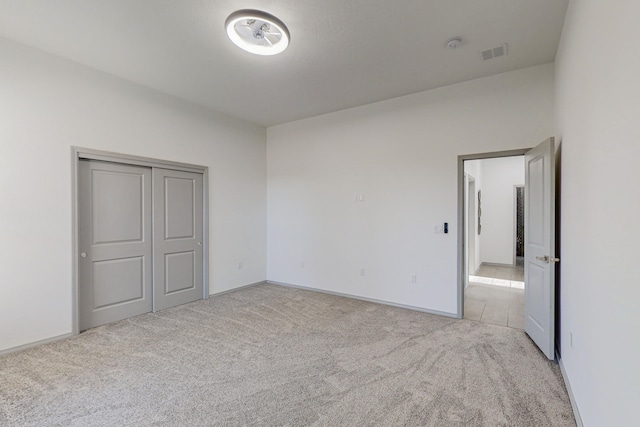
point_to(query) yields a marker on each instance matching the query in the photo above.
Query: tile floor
(508, 277)
(496, 295)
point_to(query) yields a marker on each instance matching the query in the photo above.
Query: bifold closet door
(178, 237)
(114, 242)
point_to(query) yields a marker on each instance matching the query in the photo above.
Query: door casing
(78, 153)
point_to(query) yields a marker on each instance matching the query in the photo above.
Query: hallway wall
(499, 176)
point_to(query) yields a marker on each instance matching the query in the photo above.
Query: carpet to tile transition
(276, 356)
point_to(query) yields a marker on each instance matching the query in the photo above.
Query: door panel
(114, 238)
(178, 237)
(117, 206)
(179, 271)
(116, 281)
(179, 219)
(539, 246)
(536, 201)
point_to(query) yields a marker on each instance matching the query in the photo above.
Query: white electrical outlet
(240, 265)
(302, 264)
(438, 229)
(362, 271)
(414, 279)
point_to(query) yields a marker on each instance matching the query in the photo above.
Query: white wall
(47, 105)
(597, 104)
(499, 176)
(401, 154)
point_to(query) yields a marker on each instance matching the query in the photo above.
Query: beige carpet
(275, 356)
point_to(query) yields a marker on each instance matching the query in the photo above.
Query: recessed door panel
(536, 289)
(114, 242)
(117, 281)
(178, 237)
(179, 271)
(179, 207)
(536, 202)
(117, 206)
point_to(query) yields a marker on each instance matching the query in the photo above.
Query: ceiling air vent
(496, 52)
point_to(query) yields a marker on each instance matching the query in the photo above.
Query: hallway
(496, 296)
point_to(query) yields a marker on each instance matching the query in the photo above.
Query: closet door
(178, 237)
(114, 242)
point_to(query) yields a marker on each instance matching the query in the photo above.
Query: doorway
(539, 237)
(140, 228)
(494, 291)
(486, 291)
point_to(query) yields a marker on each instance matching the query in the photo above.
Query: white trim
(228, 291)
(108, 156)
(373, 300)
(35, 344)
(71, 334)
(572, 399)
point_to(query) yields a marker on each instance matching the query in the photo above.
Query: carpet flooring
(275, 356)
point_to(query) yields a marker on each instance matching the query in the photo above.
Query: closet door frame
(78, 153)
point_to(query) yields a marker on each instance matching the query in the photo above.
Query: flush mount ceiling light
(257, 32)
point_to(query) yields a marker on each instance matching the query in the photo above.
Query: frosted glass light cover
(257, 32)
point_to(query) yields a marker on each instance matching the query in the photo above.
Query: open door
(539, 253)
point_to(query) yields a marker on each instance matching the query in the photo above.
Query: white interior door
(178, 238)
(539, 253)
(114, 242)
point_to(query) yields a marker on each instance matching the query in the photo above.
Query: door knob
(83, 254)
(199, 243)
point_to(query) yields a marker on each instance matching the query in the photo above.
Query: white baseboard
(373, 300)
(35, 344)
(69, 335)
(263, 282)
(572, 399)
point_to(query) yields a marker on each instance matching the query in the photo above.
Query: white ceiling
(343, 53)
